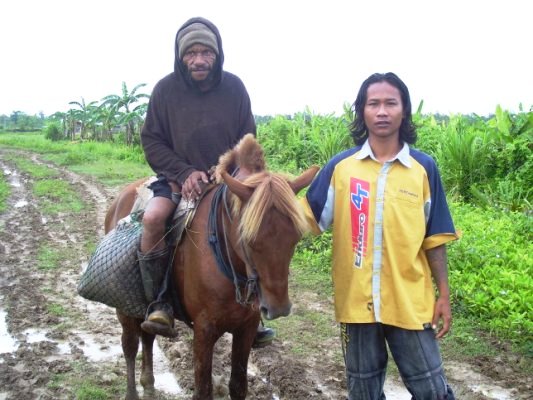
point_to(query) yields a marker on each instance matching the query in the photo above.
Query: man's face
(199, 60)
(383, 110)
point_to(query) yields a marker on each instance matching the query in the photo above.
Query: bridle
(246, 287)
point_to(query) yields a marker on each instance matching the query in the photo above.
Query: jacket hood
(181, 71)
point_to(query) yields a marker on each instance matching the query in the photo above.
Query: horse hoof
(132, 396)
(149, 394)
(159, 329)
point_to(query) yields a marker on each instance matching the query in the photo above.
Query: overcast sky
(458, 56)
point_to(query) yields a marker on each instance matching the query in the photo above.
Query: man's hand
(442, 313)
(192, 188)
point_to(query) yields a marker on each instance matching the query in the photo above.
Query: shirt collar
(402, 156)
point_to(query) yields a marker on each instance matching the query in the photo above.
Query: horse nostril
(264, 312)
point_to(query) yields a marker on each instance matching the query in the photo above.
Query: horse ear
(238, 188)
(304, 179)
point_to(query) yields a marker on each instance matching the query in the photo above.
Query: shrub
(53, 131)
(491, 270)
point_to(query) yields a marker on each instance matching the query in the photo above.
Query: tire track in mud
(41, 305)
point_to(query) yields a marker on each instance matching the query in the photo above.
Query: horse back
(122, 204)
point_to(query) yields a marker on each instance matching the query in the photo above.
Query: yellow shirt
(384, 217)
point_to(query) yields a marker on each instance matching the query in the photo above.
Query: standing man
(391, 222)
(195, 114)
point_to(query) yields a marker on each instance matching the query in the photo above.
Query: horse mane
(271, 190)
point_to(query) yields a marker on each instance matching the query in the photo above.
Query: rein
(250, 281)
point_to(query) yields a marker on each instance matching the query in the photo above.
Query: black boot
(160, 319)
(264, 336)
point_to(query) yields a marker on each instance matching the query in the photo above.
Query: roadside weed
(48, 258)
(4, 193)
(56, 309)
(57, 196)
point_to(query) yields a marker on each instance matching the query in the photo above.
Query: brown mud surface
(55, 344)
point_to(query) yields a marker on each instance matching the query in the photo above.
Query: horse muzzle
(271, 312)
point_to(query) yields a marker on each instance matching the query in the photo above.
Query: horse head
(270, 221)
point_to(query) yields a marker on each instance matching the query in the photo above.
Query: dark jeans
(416, 354)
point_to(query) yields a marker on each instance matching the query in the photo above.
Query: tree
(128, 115)
(83, 115)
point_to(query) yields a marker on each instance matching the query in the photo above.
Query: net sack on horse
(112, 276)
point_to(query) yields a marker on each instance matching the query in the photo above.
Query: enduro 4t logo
(359, 194)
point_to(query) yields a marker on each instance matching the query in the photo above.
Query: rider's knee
(154, 218)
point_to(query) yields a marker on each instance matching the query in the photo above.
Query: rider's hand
(191, 188)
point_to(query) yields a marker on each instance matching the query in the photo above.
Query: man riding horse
(195, 114)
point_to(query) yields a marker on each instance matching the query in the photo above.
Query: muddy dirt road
(56, 345)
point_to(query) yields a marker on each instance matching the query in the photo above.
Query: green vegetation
(89, 391)
(112, 164)
(491, 270)
(48, 258)
(56, 309)
(293, 144)
(81, 377)
(35, 170)
(114, 117)
(4, 192)
(19, 121)
(53, 131)
(57, 196)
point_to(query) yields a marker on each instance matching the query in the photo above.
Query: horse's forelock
(250, 155)
(247, 155)
(271, 190)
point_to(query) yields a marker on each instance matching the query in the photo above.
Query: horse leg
(203, 344)
(147, 365)
(240, 351)
(131, 330)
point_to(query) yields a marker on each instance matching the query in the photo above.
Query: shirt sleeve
(320, 199)
(439, 228)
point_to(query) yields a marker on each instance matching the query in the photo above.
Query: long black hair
(358, 128)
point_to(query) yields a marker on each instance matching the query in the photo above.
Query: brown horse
(257, 217)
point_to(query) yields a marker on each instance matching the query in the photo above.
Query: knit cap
(196, 33)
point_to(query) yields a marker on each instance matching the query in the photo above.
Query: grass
(35, 170)
(114, 172)
(57, 196)
(48, 258)
(89, 391)
(83, 383)
(111, 164)
(465, 341)
(4, 193)
(56, 309)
